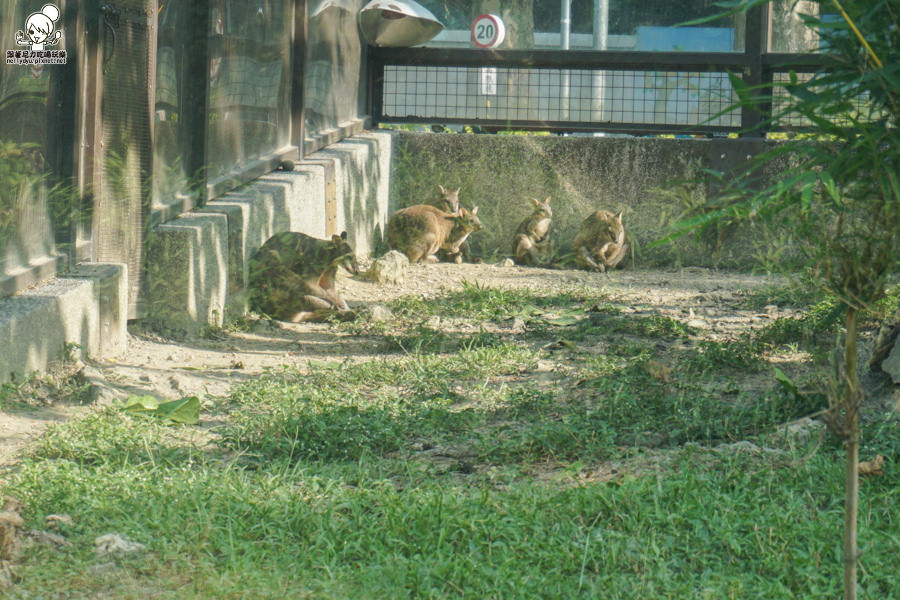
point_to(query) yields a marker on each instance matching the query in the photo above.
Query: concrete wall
(83, 313)
(499, 173)
(197, 268)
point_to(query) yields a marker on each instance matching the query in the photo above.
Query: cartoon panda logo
(40, 29)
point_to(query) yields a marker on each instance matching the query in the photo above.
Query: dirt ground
(208, 366)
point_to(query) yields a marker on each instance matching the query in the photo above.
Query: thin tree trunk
(851, 412)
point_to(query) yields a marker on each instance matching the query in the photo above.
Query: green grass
(591, 456)
(477, 302)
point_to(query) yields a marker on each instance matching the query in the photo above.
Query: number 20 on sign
(488, 31)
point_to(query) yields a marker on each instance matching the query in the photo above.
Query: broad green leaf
(135, 403)
(786, 382)
(562, 321)
(186, 410)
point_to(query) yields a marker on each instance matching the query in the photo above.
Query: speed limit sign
(488, 31)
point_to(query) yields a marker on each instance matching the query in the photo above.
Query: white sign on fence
(488, 81)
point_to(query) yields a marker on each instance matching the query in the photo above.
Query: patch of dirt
(209, 366)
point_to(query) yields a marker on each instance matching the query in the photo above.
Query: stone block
(83, 313)
(187, 273)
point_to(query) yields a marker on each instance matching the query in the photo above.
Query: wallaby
(420, 231)
(449, 202)
(531, 243)
(292, 276)
(600, 242)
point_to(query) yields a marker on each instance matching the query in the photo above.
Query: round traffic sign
(488, 31)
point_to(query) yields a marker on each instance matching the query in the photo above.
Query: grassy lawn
(562, 449)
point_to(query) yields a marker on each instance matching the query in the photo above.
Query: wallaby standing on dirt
(600, 242)
(292, 276)
(531, 243)
(420, 231)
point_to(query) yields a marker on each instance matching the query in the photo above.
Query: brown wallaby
(449, 202)
(600, 242)
(531, 243)
(420, 231)
(292, 276)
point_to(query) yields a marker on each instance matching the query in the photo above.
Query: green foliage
(184, 410)
(616, 465)
(108, 437)
(687, 201)
(17, 168)
(710, 355)
(818, 324)
(63, 382)
(838, 190)
(23, 176)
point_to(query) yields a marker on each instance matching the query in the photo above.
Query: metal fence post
(754, 119)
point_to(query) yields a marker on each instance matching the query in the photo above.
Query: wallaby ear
(337, 239)
(344, 235)
(547, 201)
(474, 211)
(619, 216)
(536, 202)
(443, 190)
(456, 191)
(462, 212)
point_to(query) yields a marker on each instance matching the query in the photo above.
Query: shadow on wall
(499, 174)
(362, 186)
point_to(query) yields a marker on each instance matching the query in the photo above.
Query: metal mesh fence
(781, 97)
(123, 193)
(576, 96)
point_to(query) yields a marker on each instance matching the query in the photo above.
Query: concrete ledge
(187, 273)
(84, 312)
(197, 264)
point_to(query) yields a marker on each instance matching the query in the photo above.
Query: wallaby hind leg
(584, 256)
(523, 249)
(312, 316)
(528, 252)
(541, 252)
(317, 310)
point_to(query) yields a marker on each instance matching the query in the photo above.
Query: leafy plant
(837, 189)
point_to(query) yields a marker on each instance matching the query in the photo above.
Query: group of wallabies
(292, 276)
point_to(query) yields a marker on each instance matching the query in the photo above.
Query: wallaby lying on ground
(449, 202)
(600, 242)
(420, 231)
(292, 276)
(531, 243)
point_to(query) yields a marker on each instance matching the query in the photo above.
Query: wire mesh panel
(172, 127)
(550, 95)
(862, 108)
(249, 69)
(332, 68)
(120, 208)
(36, 210)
